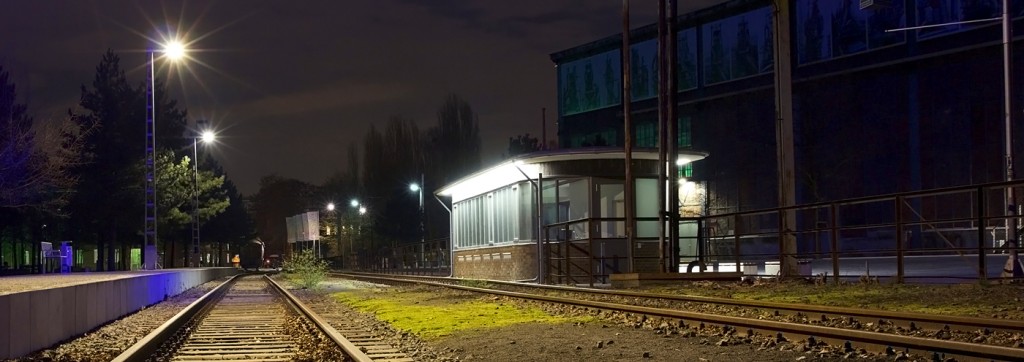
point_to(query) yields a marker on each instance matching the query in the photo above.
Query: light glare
(330, 207)
(362, 210)
(414, 187)
(208, 136)
(174, 50)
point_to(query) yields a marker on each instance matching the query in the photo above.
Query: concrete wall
(514, 262)
(646, 258)
(33, 320)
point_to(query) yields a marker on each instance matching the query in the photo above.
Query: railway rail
(906, 333)
(252, 318)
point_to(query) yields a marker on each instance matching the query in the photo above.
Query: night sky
(290, 84)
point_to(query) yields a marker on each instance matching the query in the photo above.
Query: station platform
(38, 311)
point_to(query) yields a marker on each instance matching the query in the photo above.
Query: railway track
(249, 321)
(251, 318)
(880, 331)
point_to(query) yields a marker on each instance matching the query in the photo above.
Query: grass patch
(956, 299)
(431, 316)
(475, 283)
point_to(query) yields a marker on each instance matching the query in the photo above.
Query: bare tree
(36, 159)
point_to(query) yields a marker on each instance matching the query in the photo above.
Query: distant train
(251, 255)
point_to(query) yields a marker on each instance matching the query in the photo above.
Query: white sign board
(291, 229)
(312, 225)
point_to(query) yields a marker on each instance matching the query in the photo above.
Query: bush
(305, 269)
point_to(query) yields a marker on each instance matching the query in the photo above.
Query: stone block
(67, 317)
(5, 326)
(81, 308)
(20, 324)
(39, 319)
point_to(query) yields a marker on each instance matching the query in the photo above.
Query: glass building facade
(874, 112)
(500, 217)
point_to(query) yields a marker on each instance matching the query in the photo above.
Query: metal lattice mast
(195, 199)
(151, 211)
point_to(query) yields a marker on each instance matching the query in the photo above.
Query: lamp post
(337, 230)
(351, 238)
(173, 50)
(419, 188)
(362, 211)
(207, 137)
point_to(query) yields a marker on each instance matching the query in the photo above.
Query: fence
(933, 235)
(422, 258)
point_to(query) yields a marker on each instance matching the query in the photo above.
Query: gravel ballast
(612, 338)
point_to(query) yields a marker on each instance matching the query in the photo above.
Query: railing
(956, 233)
(588, 251)
(431, 257)
(950, 233)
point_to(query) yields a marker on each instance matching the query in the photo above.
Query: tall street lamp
(351, 238)
(337, 229)
(207, 137)
(373, 254)
(362, 212)
(173, 50)
(419, 188)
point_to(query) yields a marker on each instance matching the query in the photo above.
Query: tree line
(377, 173)
(80, 178)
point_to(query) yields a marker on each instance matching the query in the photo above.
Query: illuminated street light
(354, 203)
(330, 206)
(414, 187)
(207, 137)
(172, 50)
(362, 210)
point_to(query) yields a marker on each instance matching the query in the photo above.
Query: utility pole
(630, 190)
(662, 131)
(784, 138)
(673, 136)
(1013, 266)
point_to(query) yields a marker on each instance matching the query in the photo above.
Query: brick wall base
(513, 262)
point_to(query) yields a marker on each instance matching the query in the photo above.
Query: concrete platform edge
(34, 320)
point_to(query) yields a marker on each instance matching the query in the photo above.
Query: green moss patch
(432, 315)
(957, 299)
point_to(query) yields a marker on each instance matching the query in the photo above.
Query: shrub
(305, 269)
